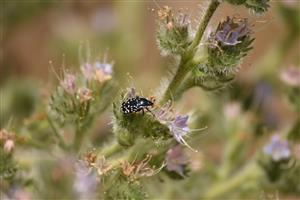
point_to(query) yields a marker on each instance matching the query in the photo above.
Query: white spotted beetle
(136, 104)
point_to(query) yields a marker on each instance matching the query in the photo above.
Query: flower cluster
(225, 48)
(228, 44)
(136, 170)
(77, 93)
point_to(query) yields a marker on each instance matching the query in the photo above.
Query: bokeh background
(36, 35)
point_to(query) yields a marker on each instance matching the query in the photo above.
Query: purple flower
(103, 71)
(69, 83)
(177, 125)
(231, 31)
(85, 182)
(106, 68)
(277, 148)
(179, 128)
(98, 71)
(176, 160)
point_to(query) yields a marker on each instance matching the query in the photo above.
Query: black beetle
(136, 104)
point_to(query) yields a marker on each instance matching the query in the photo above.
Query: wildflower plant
(150, 139)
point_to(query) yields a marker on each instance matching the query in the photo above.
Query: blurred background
(37, 33)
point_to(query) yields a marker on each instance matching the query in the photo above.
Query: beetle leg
(150, 111)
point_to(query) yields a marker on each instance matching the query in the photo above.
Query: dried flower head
(139, 169)
(176, 160)
(102, 166)
(291, 76)
(127, 168)
(84, 94)
(90, 158)
(164, 13)
(277, 148)
(69, 83)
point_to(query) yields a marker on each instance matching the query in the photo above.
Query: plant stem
(187, 59)
(204, 22)
(111, 149)
(251, 171)
(176, 82)
(61, 143)
(78, 138)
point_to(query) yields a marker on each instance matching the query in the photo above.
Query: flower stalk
(214, 4)
(61, 142)
(186, 61)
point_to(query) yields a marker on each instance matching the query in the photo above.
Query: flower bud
(173, 32)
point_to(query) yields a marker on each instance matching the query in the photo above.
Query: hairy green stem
(111, 149)
(187, 58)
(204, 22)
(78, 138)
(249, 172)
(182, 71)
(61, 141)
